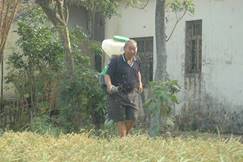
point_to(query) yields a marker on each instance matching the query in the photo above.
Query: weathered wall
(213, 99)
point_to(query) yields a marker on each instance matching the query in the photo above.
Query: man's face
(130, 50)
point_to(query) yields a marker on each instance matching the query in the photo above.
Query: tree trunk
(59, 17)
(64, 35)
(7, 15)
(161, 56)
(1, 100)
(91, 24)
(96, 118)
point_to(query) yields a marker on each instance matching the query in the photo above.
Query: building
(204, 55)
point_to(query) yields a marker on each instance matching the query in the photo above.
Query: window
(193, 58)
(145, 53)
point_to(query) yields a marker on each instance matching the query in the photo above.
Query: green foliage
(37, 72)
(160, 103)
(106, 7)
(163, 96)
(77, 37)
(140, 4)
(88, 47)
(81, 101)
(181, 5)
(108, 131)
(189, 5)
(42, 125)
(40, 57)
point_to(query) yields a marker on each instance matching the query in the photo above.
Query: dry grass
(29, 147)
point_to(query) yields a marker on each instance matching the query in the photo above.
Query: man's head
(130, 48)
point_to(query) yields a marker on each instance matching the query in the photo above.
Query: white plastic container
(114, 46)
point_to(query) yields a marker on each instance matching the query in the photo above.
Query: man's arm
(108, 83)
(112, 67)
(140, 82)
(110, 88)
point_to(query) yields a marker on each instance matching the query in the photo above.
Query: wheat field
(31, 147)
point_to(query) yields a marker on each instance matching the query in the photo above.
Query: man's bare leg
(129, 125)
(121, 125)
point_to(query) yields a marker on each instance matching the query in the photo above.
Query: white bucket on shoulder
(114, 46)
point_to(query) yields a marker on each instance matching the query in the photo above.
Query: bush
(161, 100)
(37, 73)
(42, 125)
(82, 101)
(36, 68)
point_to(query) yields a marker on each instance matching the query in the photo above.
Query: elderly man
(124, 84)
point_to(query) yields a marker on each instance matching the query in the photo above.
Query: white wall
(223, 66)
(222, 52)
(132, 22)
(221, 48)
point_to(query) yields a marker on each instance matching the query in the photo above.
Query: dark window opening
(145, 53)
(193, 58)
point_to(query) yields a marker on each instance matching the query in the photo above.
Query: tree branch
(7, 17)
(177, 21)
(59, 9)
(143, 7)
(66, 14)
(1, 14)
(51, 14)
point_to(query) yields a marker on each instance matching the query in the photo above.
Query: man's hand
(109, 88)
(112, 89)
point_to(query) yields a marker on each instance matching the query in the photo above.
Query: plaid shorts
(123, 106)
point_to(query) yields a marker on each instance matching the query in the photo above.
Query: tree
(160, 72)
(105, 8)
(57, 12)
(8, 10)
(176, 6)
(35, 69)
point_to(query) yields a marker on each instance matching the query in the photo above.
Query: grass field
(30, 147)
